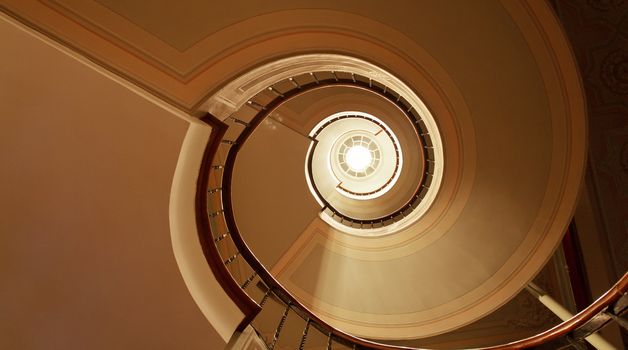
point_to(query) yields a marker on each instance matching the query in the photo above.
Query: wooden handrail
(304, 88)
(610, 297)
(248, 306)
(555, 333)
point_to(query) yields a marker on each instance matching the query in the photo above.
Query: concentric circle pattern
(359, 156)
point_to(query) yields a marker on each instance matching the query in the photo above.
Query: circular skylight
(359, 156)
(362, 155)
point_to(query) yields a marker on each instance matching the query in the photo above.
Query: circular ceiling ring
(331, 214)
(348, 175)
(407, 102)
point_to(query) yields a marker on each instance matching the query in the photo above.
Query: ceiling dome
(506, 160)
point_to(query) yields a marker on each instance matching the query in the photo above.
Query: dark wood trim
(575, 266)
(247, 305)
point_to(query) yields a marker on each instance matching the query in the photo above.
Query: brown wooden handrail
(560, 331)
(248, 306)
(610, 297)
(323, 83)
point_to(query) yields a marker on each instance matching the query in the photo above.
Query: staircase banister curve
(244, 302)
(559, 332)
(562, 329)
(286, 96)
(617, 291)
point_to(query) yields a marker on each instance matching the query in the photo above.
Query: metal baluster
(239, 121)
(370, 83)
(315, 78)
(231, 259)
(279, 327)
(265, 298)
(255, 105)
(304, 336)
(353, 77)
(329, 341)
(248, 280)
(409, 109)
(274, 91)
(216, 213)
(214, 190)
(221, 237)
(334, 74)
(294, 82)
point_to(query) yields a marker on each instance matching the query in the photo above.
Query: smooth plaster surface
(272, 203)
(85, 253)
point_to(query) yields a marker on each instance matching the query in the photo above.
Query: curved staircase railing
(237, 268)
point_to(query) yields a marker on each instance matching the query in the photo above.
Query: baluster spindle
(295, 83)
(216, 213)
(315, 78)
(265, 298)
(231, 259)
(329, 341)
(221, 237)
(279, 327)
(274, 91)
(248, 280)
(214, 190)
(239, 121)
(304, 336)
(334, 74)
(255, 105)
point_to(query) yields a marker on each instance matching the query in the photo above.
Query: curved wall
(508, 103)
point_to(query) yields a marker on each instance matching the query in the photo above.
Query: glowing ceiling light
(359, 158)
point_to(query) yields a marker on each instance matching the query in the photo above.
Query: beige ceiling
(506, 72)
(514, 153)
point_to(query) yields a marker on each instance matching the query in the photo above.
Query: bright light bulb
(359, 158)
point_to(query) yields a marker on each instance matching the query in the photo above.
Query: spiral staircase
(236, 152)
